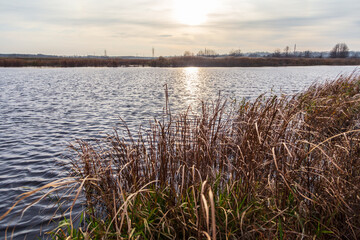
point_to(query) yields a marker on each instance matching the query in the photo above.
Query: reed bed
(72, 62)
(279, 167)
(192, 61)
(174, 62)
(275, 168)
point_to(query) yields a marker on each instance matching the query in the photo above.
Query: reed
(279, 167)
(248, 62)
(174, 62)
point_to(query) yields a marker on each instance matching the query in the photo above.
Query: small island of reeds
(279, 167)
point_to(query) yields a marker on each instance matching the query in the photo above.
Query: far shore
(175, 62)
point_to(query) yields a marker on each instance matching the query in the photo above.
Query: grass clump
(274, 168)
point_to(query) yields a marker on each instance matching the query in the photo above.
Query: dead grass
(174, 62)
(274, 168)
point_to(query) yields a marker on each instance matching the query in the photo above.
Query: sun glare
(191, 80)
(193, 12)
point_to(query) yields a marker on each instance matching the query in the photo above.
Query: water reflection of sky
(191, 80)
(190, 86)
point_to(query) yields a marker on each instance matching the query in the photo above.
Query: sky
(171, 27)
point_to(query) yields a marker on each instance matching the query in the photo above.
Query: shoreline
(175, 62)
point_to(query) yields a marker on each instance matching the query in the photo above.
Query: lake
(43, 109)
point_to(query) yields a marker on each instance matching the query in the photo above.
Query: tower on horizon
(153, 52)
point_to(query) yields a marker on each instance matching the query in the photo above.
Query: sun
(193, 12)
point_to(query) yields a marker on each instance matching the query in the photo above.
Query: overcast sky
(133, 27)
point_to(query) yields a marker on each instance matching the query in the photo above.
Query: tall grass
(248, 62)
(274, 168)
(174, 62)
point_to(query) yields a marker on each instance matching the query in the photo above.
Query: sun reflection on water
(191, 86)
(192, 80)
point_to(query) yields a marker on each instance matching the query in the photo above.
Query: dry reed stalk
(278, 167)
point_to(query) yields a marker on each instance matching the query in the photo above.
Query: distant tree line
(212, 53)
(339, 55)
(340, 50)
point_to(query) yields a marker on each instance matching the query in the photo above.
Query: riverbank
(175, 62)
(274, 168)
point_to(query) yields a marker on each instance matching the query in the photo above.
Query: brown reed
(279, 167)
(276, 168)
(174, 62)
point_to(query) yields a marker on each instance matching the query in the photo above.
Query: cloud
(275, 24)
(165, 36)
(132, 25)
